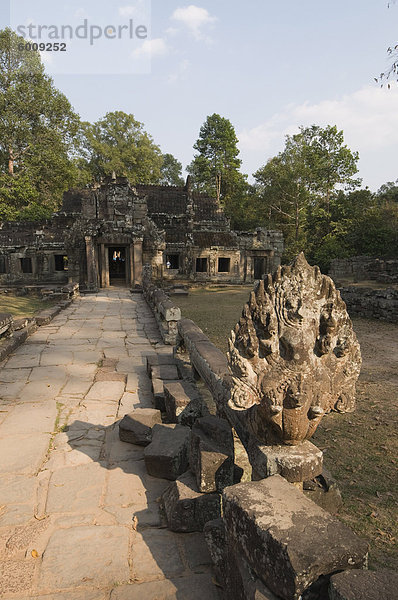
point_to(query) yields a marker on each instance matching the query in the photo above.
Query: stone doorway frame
(133, 262)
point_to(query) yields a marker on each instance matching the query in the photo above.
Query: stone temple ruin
(293, 356)
(103, 235)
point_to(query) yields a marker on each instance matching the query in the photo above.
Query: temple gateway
(103, 235)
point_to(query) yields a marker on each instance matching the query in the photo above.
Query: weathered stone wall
(371, 304)
(166, 313)
(183, 235)
(362, 268)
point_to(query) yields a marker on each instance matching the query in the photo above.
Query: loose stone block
(165, 372)
(215, 536)
(158, 359)
(294, 463)
(364, 585)
(324, 491)
(136, 427)
(286, 539)
(6, 324)
(232, 570)
(158, 394)
(212, 454)
(182, 402)
(167, 454)
(186, 508)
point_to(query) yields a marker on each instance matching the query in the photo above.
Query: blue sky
(267, 66)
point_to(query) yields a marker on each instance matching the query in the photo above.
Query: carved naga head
(293, 355)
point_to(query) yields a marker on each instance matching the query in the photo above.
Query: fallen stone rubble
(269, 538)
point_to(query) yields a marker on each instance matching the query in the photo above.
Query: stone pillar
(91, 263)
(130, 265)
(104, 266)
(137, 269)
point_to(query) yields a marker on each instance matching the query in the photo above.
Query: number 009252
(43, 47)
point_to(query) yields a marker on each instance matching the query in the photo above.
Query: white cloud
(179, 73)
(127, 11)
(368, 118)
(194, 18)
(151, 48)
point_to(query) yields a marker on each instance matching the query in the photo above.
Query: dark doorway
(117, 265)
(259, 268)
(201, 265)
(173, 261)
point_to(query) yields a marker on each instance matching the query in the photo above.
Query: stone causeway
(79, 515)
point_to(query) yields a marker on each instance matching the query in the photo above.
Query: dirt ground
(360, 448)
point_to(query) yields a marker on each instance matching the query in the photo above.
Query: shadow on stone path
(69, 488)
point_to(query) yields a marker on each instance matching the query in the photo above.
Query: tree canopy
(215, 167)
(38, 128)
(302, 180)
(118, 143)
(171, 171)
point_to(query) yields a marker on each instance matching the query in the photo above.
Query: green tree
(284, 196)
(376, 232)
(215, 169)
(118, 143)
(297, 187)
(171, 171)
(37, 133)
(346, 210)
(388, 192)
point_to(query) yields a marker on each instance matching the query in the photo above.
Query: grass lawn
(361, 448)
(22, 306)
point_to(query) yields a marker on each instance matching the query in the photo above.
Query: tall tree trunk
(218, 187)
(10, 162)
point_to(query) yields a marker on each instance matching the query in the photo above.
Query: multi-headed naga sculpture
(293, 355)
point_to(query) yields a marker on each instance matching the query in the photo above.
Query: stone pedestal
(295, 463)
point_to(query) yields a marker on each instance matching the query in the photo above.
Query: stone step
(167, 455)
(186, 508)
(183, 403)
(136, 427)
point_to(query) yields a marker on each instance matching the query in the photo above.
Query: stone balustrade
(166, 313)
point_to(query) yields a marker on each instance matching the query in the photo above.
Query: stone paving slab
(71, 492)
(23, 453)
(196, 587)
(104, 558)
(29, 418)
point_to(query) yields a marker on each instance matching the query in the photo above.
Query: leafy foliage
(215, 169)
(296, 188)
(38, 128)
(171, 171)
(118, 143)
